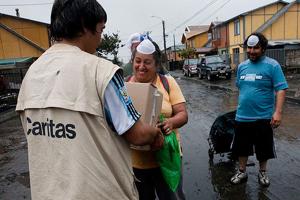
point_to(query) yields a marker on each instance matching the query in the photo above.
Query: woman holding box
(146, 66)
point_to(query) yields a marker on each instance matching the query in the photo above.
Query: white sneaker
(263, 179)
(239, 177)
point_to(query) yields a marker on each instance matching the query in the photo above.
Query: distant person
(259, 80)
(76, 114)
(133, 41)
(146, 64)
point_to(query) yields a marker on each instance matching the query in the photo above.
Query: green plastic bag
(169, 160)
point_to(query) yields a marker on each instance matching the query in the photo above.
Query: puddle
(22, 178)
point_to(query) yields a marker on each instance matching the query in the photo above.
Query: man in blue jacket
(259, 80)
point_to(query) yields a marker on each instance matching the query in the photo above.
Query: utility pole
(174, 47)
(164, 35)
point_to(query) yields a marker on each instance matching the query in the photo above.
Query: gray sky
(130, 16)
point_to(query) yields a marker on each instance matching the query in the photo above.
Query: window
(192, 43)
(216, 33)
(236, 55)
(224, 52)
(209, 37)
(214, 59)
(236, 50)
(203, 60)
(237, 27)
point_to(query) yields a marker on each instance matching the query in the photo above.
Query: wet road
(203, 179)
(14, 175)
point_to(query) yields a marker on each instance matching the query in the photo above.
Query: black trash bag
(222, 132)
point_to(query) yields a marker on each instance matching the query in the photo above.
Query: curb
(292, 100)
(209, 85)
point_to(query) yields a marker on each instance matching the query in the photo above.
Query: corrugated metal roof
(196, 30)
(178, 47)
(283, 42)
(214, 24)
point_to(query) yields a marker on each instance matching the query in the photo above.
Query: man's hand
(276, 119)
(158, 141)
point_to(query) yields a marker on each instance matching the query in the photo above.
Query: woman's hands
(166, 126)
(178, 119)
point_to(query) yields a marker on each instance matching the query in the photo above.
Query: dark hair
(156, 55)
(263, 41)
(70, 17)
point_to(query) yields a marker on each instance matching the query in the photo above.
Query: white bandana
(146, 47)
(252, 41)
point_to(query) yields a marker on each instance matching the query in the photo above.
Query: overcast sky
(130, 16)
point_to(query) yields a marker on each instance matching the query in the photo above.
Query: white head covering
(133, 38)
(146, 47)
(252, 41)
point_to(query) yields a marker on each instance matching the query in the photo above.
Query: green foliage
(187, 53)
(110, 45)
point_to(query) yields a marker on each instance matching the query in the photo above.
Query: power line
(28, 4)
(194, 15)
(214, 12)
(150, 27)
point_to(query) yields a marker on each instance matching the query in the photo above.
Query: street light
(164, 33)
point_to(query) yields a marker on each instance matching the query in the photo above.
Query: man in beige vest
(76, 114)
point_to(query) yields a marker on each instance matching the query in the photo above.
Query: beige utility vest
(73, 154)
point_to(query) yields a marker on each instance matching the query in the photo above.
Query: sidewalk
(292, 94)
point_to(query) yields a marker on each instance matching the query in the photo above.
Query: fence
(289, 59)
(173, 65)
(10, 83)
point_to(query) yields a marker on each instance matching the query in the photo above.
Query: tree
(187, 53)
(110, 45)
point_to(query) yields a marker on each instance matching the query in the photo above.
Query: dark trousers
(257, 135)
(151, 181)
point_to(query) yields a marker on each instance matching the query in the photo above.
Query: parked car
(213, 67)
(190, 67)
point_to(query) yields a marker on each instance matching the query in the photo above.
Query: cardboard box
(147, 100)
